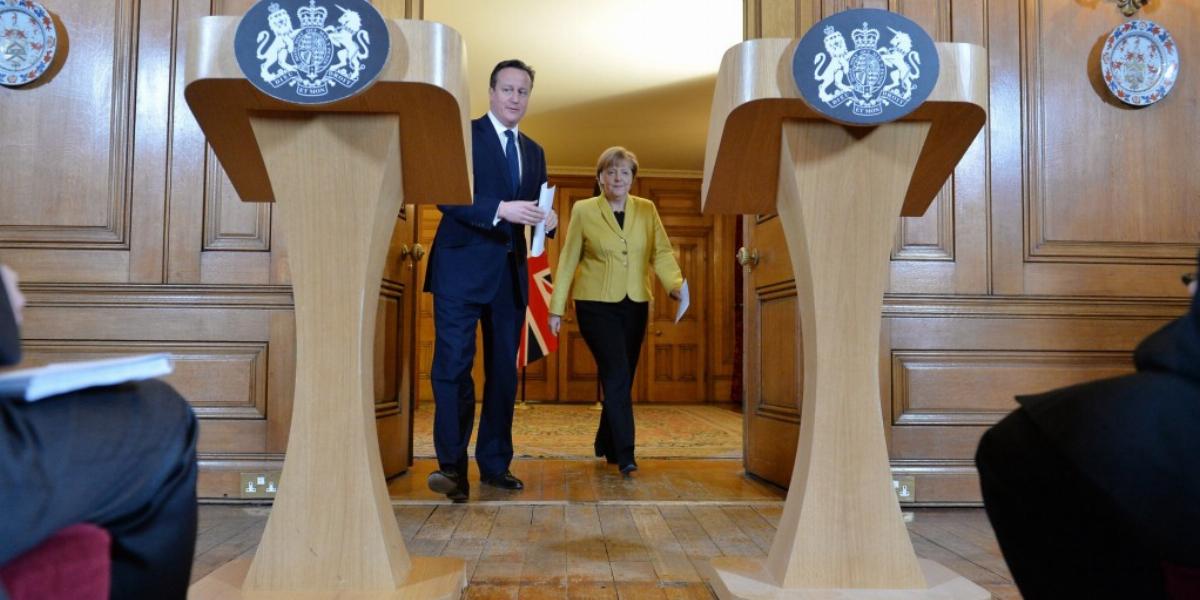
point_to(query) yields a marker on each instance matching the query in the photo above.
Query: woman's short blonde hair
(611, 156)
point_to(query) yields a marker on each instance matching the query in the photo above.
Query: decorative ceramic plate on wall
(1140, 62)
(28, 40)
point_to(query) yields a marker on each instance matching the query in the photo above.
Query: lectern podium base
(429, 579)
(739, 578)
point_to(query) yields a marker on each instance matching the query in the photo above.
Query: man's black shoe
(454, 486)
(505, 480)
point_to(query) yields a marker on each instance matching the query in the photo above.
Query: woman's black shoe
(627, 469)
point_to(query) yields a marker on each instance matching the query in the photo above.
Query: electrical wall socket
(259, 485)
(905, 487)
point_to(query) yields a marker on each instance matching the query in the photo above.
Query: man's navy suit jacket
(467, 259)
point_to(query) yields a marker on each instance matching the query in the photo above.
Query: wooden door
(673, 367)
(428, 222)
(774, 356)
(395, 339)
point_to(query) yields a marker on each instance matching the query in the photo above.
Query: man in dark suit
(477, 273)
(1094, 489)
(121, 457)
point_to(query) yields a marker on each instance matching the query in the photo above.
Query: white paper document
(545, 202)
(685, 300)
(60, 378)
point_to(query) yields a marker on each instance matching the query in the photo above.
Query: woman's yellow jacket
(613, 262)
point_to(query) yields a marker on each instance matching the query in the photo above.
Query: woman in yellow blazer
(612, 242)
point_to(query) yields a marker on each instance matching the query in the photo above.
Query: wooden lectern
(340, 174)
(838, 191)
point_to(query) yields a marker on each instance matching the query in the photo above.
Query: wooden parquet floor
(581, 531)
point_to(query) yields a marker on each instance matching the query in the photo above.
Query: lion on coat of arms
(839, 64)
(281, 47)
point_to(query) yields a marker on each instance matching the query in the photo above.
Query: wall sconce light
(1130, 7)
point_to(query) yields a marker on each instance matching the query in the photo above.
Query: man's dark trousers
(502, 320)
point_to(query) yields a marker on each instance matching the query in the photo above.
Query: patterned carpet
(567, 431)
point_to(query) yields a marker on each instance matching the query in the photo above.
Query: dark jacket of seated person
(1092, 489)
(121, 457)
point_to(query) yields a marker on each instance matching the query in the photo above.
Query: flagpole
(522, 405)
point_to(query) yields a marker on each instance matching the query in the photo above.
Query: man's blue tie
(514, 168)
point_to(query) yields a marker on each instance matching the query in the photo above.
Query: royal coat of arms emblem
(28, 41)
(877, 80)
(307, 60)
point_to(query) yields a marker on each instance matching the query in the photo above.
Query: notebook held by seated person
(59, 378)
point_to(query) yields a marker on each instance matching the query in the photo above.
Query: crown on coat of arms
(313, 15)
(865, 37)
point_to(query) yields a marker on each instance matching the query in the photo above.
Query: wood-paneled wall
(1054, 249)
(1056, 246)
(129, 238)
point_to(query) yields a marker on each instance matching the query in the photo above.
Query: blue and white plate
(28, 40)
(1140, 62)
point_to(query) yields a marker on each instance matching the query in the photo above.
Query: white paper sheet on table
(545, 202)
(685, 300)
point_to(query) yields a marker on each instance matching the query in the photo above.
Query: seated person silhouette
(1093, 489)
(121, 457)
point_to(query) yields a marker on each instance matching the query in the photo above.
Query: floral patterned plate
(1140, 62)
(28, 41)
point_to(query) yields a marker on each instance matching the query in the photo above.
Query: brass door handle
(747, 258)
(657, 333)
(403, 251)
(417, 251)
(569, 319)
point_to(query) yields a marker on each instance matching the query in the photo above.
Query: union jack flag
(537, 341)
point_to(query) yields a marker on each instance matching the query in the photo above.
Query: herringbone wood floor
(580, 530)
